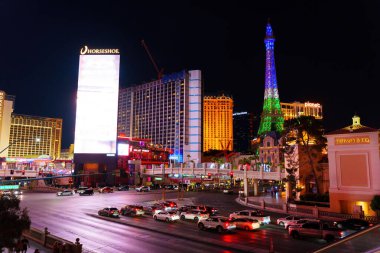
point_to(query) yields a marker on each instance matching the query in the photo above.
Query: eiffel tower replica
(272, 120)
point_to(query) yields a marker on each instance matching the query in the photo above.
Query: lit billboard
(97, 104)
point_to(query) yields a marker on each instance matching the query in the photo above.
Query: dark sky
(325, 52)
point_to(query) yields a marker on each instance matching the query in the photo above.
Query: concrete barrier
(50, 241)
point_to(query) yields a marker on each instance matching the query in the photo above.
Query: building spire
(271, 117)
(269, 31)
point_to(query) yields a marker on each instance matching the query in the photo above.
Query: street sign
(9, 187)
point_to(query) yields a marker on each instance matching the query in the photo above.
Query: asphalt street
(75, 216)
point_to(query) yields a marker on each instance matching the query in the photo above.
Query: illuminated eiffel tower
(271, 118)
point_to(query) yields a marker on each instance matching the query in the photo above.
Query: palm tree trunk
(313, 170)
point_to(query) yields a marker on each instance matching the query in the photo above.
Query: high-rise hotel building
(217, 123)
(166, 111)
(33, 136)
(297, 109)
(24, 136)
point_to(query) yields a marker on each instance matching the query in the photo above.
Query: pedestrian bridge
(215, 170)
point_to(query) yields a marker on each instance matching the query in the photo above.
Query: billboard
(97, 104)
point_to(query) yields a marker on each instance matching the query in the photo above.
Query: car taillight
(226, 224)
(341, 233)
(370, 224)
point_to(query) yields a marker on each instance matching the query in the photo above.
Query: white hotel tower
(166, 111)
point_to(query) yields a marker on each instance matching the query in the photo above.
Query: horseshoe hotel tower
(167, 111)
(96, 113)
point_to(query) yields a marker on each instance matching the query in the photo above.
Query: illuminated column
(192, 148)
(271, 118)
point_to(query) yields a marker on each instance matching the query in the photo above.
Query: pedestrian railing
(48, 240)
(310, 211)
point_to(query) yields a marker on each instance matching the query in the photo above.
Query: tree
(375, 204)
(307, 132)
(291, 168)
(13, 220)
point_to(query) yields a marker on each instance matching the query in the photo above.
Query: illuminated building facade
(243, 131)
(217, 123)
(133, 153)
(33, 136)
(354, 168)
(297, 109)
(6, 110)
(96, 114)
(271, 117)
(167, 111)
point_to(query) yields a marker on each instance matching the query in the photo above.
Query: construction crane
(160, 72)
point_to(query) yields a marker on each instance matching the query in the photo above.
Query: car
(135, 210)
(17, 192)
(66, 192)
(106, 189)
(299, 222)
(166, 216)
(247, 223)
(316, 230)
(285, 220)
(353, 224)
(6, 192)
(153, 208)
(86, 192)
(109, 212)
(219, 223)
(81, 189)
(169, 205)
(228, 191)
(143, 189)
(123, 188)
(194, 215)
(253, 214)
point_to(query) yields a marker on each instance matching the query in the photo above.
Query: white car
(65, 193)
(194, 215)
(247, 224)
(252, 214)
(299, 222)
(143, 189)
(284, 222)
(17, 192)
(219, 223)
(166, 216)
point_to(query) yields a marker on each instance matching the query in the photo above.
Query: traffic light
(23, 172)
(209, 175)
(231, 174)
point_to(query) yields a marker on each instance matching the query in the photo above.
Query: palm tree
(307, 132)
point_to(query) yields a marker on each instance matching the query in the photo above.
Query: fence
(309, 211)
(48, 240)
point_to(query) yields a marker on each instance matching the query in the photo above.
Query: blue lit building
(166, 111)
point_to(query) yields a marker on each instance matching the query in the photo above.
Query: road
(75, 216)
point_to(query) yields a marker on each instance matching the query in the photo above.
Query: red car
(106, 190)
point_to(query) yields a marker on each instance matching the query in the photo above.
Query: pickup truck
(252, 214)
(316, 230)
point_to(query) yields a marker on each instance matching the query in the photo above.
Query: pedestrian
(18, 246)
(56, 247)
(25, 245)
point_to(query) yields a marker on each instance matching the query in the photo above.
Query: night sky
(325, 52)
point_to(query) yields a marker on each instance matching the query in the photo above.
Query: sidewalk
(279, 198)
(34, 245)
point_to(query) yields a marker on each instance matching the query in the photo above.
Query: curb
(208, 241)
